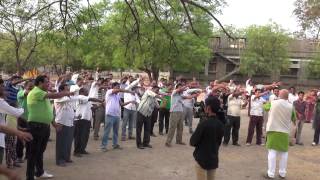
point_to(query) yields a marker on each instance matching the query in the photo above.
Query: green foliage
(266, 50)
(308, 15)
(153, 48)
(314, 67)
(158, 35)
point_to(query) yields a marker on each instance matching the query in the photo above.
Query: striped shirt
(148, 103)
(12, 92)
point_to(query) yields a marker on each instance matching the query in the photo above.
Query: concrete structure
(225, 62)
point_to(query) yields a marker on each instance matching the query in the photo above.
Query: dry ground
(177, 163)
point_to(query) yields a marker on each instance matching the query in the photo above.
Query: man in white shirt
(75, 88)
(274, 95)
(82, 122)
(188, 105)
(130, 110)
(293, 96)
(256, 117)
(235, 103)
(176, 114)
(232, 86)
(97, 91)
(249, 87)
(278, 129)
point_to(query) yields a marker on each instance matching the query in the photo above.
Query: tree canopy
(266, 51)
(147, 35)
(308, 15)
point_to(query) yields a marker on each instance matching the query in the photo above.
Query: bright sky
(242, 13)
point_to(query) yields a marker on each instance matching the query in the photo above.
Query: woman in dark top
(207, 140)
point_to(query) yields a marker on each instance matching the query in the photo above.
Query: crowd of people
(77, 102)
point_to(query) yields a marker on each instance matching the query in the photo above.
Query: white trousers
(272, 163)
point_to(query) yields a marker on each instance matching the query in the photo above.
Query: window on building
(230, 67)
(212, 67)
(291, 72)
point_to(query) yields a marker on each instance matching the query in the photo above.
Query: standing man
(39, 118)
(130, 110)
(300, 107)
(293, 96)
(147, 104)
(12, 89)
(188, 105)
(22, 122)
(278, 129)
(256, 117)
(235, 104)
(113, 114)
(164, 111)
(207, 140)
(97, 90)
(176, 114)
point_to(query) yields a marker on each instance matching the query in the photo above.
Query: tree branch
(161, 24)
(189, 18)
(41, 9)
(208, 12)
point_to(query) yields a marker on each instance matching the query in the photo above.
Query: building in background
(225, 62)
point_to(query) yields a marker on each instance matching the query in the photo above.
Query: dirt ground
(177, 163)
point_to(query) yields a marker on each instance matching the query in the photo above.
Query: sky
(242, 13)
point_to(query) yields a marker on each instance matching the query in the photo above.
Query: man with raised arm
(40, 117)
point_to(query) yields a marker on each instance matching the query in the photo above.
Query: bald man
(278, 129)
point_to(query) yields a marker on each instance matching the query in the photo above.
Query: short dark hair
(82, 90)
(178, 85)
(214, 103)
(258, 90)
(300, 92)
(292, 87)
(40, 79)
(115, 84)
(62, 87)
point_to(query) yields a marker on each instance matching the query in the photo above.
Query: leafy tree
(156, 48)
(308, 15)
(266, 51)
(314, 67)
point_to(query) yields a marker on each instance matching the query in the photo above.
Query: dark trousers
(64, 143)
(1, 154)
(81, 135)
(20, 144)
(233, 124)
(164, 115)
(40, 133)
(255, 122)
(11, 155)
(145, 122)
(154, 118)
(316, 135)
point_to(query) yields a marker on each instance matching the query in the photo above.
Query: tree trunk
(18, 61)
(149, 75)
(155, 74)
